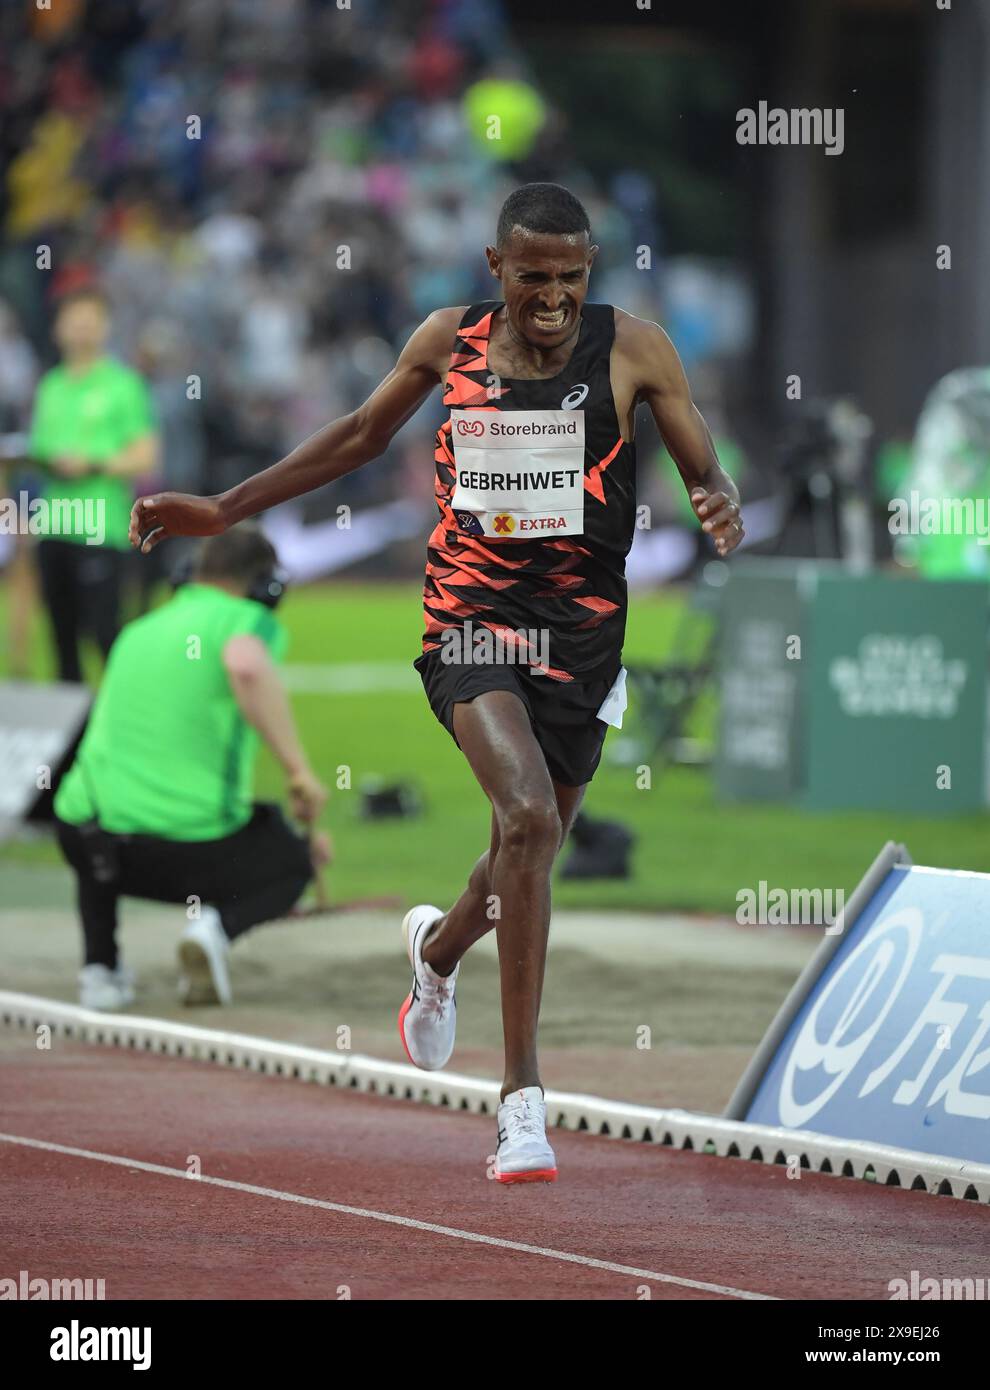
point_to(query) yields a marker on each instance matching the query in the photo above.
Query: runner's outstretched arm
(661, 383)
(340, 447)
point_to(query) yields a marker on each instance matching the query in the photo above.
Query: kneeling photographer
(158, 802)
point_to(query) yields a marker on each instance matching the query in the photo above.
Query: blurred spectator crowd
(273, 193)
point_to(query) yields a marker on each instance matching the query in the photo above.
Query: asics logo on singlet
(574, 397)
(470, 427)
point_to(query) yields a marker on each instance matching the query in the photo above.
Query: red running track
(622, 1215)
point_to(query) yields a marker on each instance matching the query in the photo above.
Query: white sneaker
(203, 952)
(523, 1154)
(428, 1018)
(105, 989)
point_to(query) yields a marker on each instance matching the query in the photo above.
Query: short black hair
(541, 207)
(243, 554)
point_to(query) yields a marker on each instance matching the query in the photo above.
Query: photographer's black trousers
(252, 876)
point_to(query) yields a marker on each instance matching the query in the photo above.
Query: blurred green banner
(843, 691)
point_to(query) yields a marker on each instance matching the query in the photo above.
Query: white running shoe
(523, 1154)
(203, 952)
(428, 1018)
(105, 989)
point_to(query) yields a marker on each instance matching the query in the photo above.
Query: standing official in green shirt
(92, 432)
(159, 800)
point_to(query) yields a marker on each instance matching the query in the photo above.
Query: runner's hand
(172, 514)
(720, 517)
(307, 795)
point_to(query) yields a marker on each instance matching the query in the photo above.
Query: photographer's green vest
(167, 751)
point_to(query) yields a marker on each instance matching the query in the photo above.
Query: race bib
(519, 473)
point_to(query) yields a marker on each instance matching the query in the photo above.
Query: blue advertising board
(892, 1041)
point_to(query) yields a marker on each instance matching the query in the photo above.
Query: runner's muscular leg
(469, 919)
(495, 735)
(472, 915)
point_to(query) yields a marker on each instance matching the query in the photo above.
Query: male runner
(536, 492)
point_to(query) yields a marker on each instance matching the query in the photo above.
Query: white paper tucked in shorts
(614, 704)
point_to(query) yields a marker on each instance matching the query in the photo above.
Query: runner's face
(544, 283)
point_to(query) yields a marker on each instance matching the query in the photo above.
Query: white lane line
(387, 1217)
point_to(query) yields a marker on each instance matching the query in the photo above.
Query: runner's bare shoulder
(433, 340)
(644, 350)
(635, 337)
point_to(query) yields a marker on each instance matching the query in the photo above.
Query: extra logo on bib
(519, 473)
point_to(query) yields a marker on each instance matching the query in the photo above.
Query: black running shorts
(564, 715)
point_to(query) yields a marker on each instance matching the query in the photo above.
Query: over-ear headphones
(267, 588)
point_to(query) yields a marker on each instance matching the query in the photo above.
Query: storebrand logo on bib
(519, 472)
